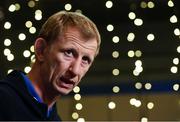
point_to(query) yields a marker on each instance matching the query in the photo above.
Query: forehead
(73, 37)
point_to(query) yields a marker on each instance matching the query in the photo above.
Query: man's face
(67, 60)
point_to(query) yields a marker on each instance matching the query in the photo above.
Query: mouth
(66, 83)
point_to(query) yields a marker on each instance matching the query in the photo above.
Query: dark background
(157, 56)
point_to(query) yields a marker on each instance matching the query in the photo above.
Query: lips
(66, 83)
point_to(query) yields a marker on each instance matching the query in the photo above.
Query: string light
(79, 106)
(38, 14)
(138, 22)
(177, 32)
(138, 67)
(81, 120)
(148, 86)
(18, 7)
(176, 61)
(110, 27)
(31, 4)
(75, 115)
(77, 97)
(111, 105)
(136, 73)
(7, 52)
(27, 69)
(109, 4)
(173, 19)
(178, 49)
(115, 72)
(144, 119)
(150, 4)
(131, 37)
(115, 39)
(116, 89)
(131, 53)
(115, 53)
(9, 71)
(22, 36)
(12, 8)
(76, 89)
(150, 37)
(28, 24)
(10, 57)
(176, 87)
(143, 4)
(138, 53)
(135, 102)
(132, 15)
(7, 42)
(138, 85)
(32, 30)
(7, 25)
(174, 69)
(26, 53)
(33, 59)
(68, 7)
(32, 48)
(170, 3)
(138, 63)
(150, 105)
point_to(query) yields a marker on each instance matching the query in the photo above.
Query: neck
(42, 87)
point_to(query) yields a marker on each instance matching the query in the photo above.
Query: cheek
(61, 63)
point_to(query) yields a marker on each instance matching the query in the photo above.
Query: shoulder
(6, 92)
(6, 99)
(9, 98)
(8, 102)
(11, 85)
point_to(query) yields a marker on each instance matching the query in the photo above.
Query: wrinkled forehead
(74, 33)
(75, 36)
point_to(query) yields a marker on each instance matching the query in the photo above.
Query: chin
(64, 91)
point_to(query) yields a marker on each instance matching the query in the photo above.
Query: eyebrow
(75, 52)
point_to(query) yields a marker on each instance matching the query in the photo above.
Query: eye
(86, 60)
(68, 53)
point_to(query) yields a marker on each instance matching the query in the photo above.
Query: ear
(40, 46)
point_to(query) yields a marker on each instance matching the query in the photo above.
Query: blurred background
(136, 75)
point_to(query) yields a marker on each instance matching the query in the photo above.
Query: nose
(75, 68)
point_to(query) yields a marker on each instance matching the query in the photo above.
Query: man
(65, 49)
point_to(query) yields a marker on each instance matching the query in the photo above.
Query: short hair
(58, 23)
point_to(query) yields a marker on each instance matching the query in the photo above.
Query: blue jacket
(17, 104)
